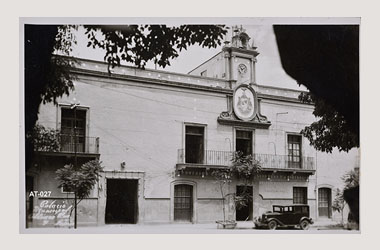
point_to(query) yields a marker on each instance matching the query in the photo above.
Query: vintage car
(285, 216)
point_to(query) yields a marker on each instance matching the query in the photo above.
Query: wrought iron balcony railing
(66, 144)
(224, 158)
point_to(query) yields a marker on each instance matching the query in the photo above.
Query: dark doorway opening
(244, 213)
(121, 206)
(324, 202)
(183, 202)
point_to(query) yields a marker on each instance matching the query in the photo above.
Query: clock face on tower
(242, 68)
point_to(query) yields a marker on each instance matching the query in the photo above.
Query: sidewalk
(327, 225)
(242, 227)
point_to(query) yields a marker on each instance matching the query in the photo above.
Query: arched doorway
(183, 202)
(324, 202)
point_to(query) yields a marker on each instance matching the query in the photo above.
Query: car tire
(272, 225)
(304, 225)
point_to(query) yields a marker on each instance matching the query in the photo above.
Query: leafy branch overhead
(48, 77)
(331, 130)
(139, 44)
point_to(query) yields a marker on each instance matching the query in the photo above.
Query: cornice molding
(177, 84)
(228, 118)
(241, 52)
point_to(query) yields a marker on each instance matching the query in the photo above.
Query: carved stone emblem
(245, 105)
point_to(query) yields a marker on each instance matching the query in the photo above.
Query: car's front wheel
(304, 225)
(272, 225)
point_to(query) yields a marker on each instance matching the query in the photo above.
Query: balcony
(66, 145)
(221, 159)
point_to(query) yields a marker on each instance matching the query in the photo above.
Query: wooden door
(183, 202)
(324, 202)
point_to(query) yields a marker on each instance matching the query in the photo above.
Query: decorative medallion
(245, 103)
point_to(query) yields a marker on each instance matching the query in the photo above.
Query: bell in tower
(240, 39)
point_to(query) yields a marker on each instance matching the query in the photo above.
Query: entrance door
(183, 202)
(244, 213)
(121, 206)
(324, 202)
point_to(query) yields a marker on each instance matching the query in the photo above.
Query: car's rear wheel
(272, 225)
(304, 225)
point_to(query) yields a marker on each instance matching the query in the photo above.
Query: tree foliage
(349, 195)
(48, 77)
(139, 44)
(45, 139)
(325, 59)
(243, 167)
(331, 130)
(338, 203)
(351, 179)
(80, 181)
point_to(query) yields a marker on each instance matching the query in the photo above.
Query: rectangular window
(194, 147)
(70, 117)
(294, 151)
(66, 189)
(244, 141)
(300, 195)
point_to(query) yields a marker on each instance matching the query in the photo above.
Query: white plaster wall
(215, 67)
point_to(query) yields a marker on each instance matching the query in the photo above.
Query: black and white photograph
(190, 125)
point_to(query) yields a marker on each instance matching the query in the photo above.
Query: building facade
(160, 135)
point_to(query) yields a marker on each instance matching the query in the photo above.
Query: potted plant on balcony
(243, 167)
(44, 139)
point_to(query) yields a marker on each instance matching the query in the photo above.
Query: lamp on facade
(122, 165)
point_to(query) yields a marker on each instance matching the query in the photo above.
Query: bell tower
(240, 55)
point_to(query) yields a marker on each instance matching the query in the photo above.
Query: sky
(269, 71)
